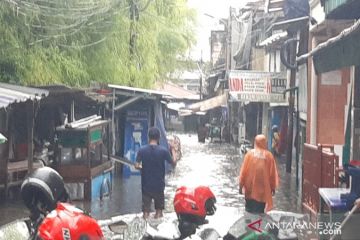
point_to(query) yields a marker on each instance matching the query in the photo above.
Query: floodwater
(210, 164)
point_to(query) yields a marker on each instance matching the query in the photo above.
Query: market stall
(83, 157)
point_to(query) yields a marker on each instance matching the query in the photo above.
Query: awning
(131, 91)
(341, 9)
(14, 93)
(203, 106)
(176, 106)
(337, 52)
(208, 104)
(177, 92)
(274, 39)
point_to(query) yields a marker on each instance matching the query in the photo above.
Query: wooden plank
(100, 168)
(122, 160)
(21, 166)
(30, 133)
(75, 172)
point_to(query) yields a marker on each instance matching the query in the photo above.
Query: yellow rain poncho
(258, 174)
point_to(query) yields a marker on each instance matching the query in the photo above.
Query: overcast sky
(216, 8)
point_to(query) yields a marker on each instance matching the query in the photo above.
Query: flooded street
(210, 164)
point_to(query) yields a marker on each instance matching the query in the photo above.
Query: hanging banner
(136, 127)
(252, 86)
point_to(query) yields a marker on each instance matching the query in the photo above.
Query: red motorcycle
(51, 218)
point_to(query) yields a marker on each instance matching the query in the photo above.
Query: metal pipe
(297, 138)
(126, 103)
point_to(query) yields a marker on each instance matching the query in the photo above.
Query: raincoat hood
(260, 142)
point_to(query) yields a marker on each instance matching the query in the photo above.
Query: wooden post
(113, 129)
(4, 156)
(88, 154)
(72, 111)
(30, 133)
(108, 141)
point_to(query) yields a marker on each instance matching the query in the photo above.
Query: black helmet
(42, 189)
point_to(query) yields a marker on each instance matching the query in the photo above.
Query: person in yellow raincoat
(275, 146)
(258, 177)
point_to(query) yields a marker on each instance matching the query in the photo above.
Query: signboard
(331, 78)
(136, 127)
(252, 86)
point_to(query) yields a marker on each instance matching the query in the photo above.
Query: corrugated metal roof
(133, 90)
(274, 39)
(346, 33)
(178, 92)
(14, 93)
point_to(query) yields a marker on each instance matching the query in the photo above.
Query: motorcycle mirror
(118, 227)
(128, 231)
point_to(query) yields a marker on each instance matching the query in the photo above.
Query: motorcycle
(215, 133)
(51, 217)
(245, 146)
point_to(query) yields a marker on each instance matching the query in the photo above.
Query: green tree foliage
(82, 41)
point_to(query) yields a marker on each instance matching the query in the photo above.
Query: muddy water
(210, 164)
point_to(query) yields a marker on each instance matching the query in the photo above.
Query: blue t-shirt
(153, 159)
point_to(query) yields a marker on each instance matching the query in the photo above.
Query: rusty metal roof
(10, 93)
(178, 92)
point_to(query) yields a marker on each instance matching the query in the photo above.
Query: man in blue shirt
(151, 160)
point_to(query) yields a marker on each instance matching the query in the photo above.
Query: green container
(95, 135)
(70, 139)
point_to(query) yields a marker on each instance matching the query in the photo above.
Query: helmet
(42, 189)
(69, 222)
(194, 204)
(275, 128)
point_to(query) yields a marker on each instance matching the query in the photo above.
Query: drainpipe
(314, 100)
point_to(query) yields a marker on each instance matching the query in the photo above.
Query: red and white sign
(255, 86)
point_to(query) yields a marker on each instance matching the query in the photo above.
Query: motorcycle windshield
(16, 230)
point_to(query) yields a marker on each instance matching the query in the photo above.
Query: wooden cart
(83, 158)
